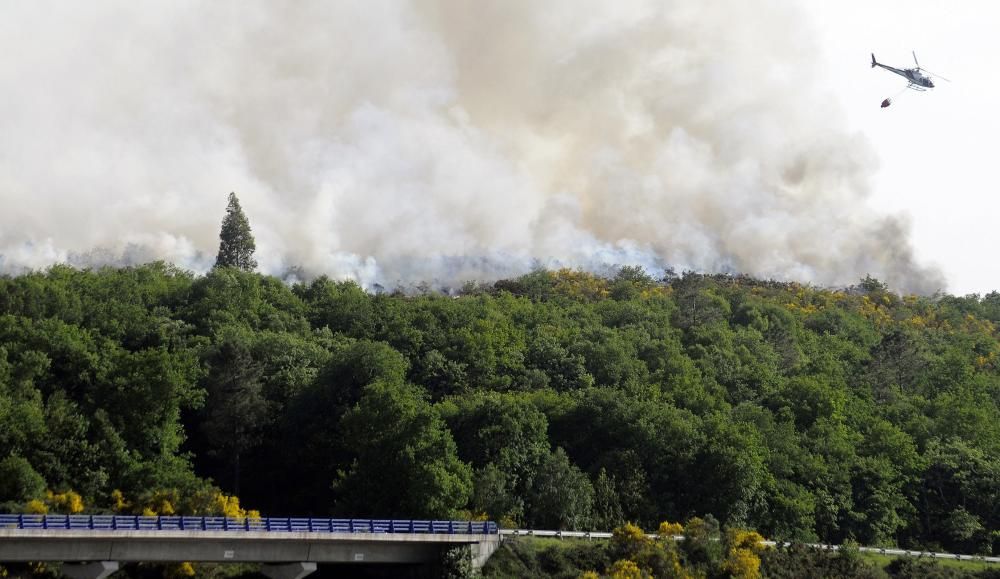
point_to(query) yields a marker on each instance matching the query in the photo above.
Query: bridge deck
(37, 538)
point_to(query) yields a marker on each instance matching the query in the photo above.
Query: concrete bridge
(289, 548)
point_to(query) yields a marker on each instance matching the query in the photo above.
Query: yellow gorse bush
(180, 570)
(580, 284)
(229, 506)
(669, 530)
(742, 564)
(742, 560)
(160, 503)
(626, 569)
(629, 538)
(118, 501)
(748, 540)
(36, 507)
(68, 502)
(167, 502)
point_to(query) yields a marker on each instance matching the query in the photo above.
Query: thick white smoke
(441, 140)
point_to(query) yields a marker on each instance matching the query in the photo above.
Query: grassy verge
(881, 561)
(544, 557)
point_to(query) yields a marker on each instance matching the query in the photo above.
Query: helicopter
(918, 81)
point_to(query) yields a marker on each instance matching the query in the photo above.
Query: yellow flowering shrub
(742, 564)
(68, 502)
(742, 560)
(629, 539)
(36, 507)
(180, 570)
(747, 540)
(118, 501)
(160, 502)
(669, 530)
(625, 569)
(169, 502)
(229, 506)
(580, 284)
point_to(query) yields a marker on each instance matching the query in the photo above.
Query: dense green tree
(65, 455)
(607, 508)
(563, 369)
(236, 243)
(311, 426)
(698, 302)
(629, 282)
(504, 438)
(728, 475)
(19, 482)
(341, 306)
(21, 405)
(228, 297)
(960, 496)
(237, 411)
(405, 461)
(560, 496)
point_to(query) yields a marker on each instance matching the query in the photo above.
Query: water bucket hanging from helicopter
(886, 103)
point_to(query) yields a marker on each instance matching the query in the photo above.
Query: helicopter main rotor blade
(935, 75)
(915, 58)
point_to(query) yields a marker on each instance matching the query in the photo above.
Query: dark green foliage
(558, 399)
(19, 482)
(921, 569)
(607, 510)
(505, 440)
(227, 296)
(534, 558)
(960, 492)
(803, 562)
(702, 546)
(456, 563)
(561, 497)
(237, 413)
(236, 243)
(405, 463)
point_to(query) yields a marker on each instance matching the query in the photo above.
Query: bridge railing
(265, 524)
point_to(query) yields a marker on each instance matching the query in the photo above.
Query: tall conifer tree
(236, 244)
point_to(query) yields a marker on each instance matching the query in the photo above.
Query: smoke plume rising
(391, 141)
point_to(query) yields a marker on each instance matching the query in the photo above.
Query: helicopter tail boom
(874, 64)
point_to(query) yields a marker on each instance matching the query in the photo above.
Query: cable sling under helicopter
(894, 97)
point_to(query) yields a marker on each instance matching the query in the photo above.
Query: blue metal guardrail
(267, 524)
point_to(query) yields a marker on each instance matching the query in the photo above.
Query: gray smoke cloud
(389, 141)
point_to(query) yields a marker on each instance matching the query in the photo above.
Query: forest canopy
(559, 399)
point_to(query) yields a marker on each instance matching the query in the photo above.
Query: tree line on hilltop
(558, 399)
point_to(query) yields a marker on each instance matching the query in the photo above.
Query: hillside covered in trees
(558, 399)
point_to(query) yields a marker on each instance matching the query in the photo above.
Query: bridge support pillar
(94, 570)
(482, 550)
(288, 571)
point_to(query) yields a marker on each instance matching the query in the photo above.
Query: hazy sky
(937, 150)
(391, 142)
